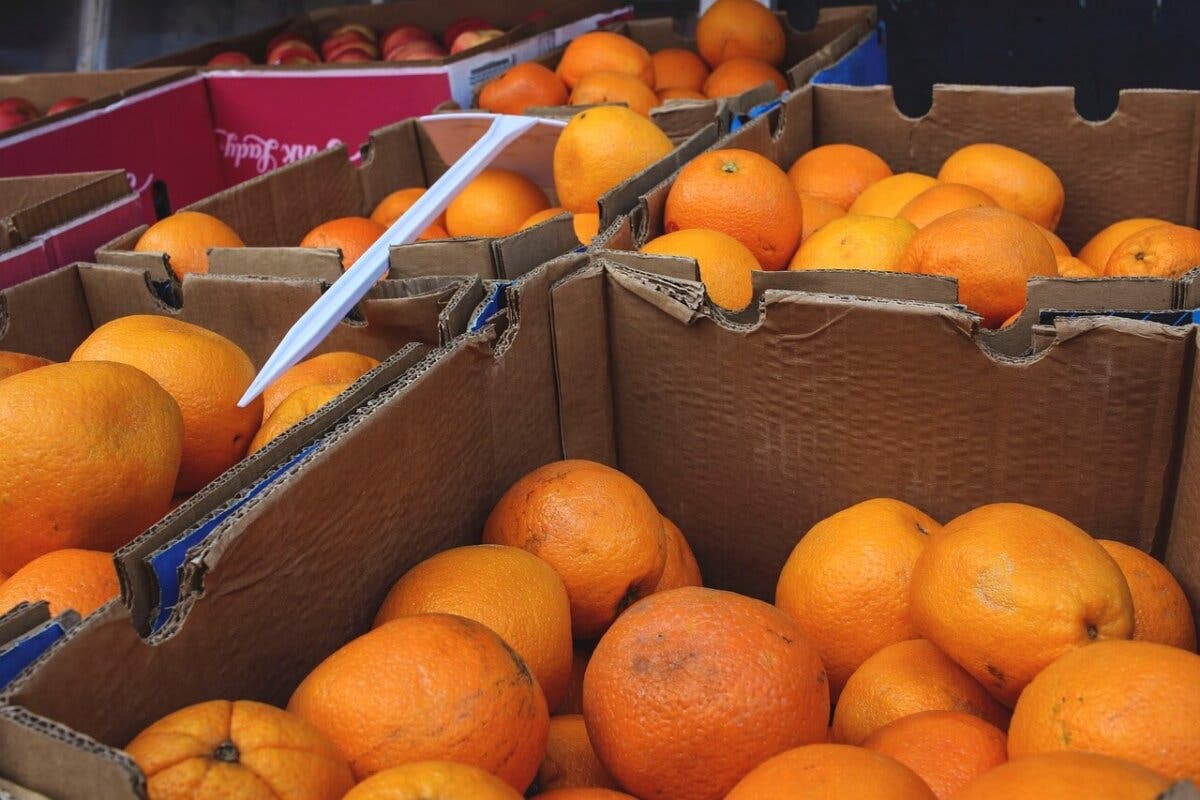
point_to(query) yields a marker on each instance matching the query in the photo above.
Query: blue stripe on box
(865, 65)
(25, 649)
(1176, 318)
(492, 305)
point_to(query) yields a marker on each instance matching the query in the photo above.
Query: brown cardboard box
(746, 434)
(272, 213)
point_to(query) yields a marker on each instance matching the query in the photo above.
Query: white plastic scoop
(469, 143)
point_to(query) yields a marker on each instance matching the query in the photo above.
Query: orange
(837, 172)
(830, 772)
(186, 237)
(1056, 244)
(523, 86)
(1066, 776)
(590, 793)
(1014, 179)
(88, 458)
(433, 780)
(428, 686)
(741, 74)
(991, 252)
(679, 94)
(494, 204)
(570, 761)
(1164, 251)
(513, 592)
(80, 579)
(681, 568)
(572, 702)
(12, 363)
(725, 264)
(855, 241)
(350, 235)
(734, 28)
(604, 51)
(339, 367)
(1072, 267)
(1096, 252)
(942, 198)
(999, 558)
(297, 406)
(600, 148)
(586, 225)
(543, 215)
(389, 209)
(654, 717)
(907, 678)
(237, 749)
(947, 749)
(817, 212)
(888, 196)
(205, 373)
(734, 191)
(1138, 701)
(676, 68)
(1160, 608)
(595, 526)
(846, 582)
(434, 231)
(599, 88)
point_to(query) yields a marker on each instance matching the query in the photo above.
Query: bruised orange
(186, 237)
(523, 86)
(82, 580)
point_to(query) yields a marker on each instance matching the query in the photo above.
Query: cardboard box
(272, 213)
(48, 221)
(744, 434)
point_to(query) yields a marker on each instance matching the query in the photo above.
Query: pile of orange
(95, 450)
(740, 45)
(575, 654)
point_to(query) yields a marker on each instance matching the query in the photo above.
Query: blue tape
(168, 563)
(27, 648)
(1176, 318)
(865, 65)
(495, 302)
(754, 113)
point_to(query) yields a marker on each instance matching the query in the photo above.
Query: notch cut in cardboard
(745, 435)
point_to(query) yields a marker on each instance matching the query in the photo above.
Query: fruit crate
(589, 360)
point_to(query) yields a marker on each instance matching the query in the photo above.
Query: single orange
(676, 68)
(297, 406)
(830, 772)
(433, 780)
(681, 569)
(237, 749)
(652, 712)
(1066, 776)
(817, 212)
(1164, 251)
(89, 454)
(888, 196)
(600, 148)
(1014, 179)
(906, 678)
(1056, 243)
(846, 582)
(599, 88)
(543, 215)
(1096, 252)
(837, 172)
(990, 251)
(80, 579)
(205, 373)
(12, 363)
(855, 241)
(350, 235)
(1072, 267)
(495, 203)
(389, 209)
(523, 86)
(733, 191)
(724, 263)
(513, 592)
(595, 526)
(1138, 701)
(428, 686)
(742, 74)
(570, 761)
(998, 558)
(942, 198)
(1160, 608)
(186, 237)
(735, 28)
(947, 749)
(338, 367)
(434, 231)
(604, 51)
(586, 225)
(679, 94)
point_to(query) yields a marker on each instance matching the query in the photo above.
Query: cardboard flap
(46, 316)
(415, 309)
(836, 32)
(680, 269)
(10, 791)
(392, 159)
(446, 257)
(21, 619)
(1181, 551)
(517, 254)
(862, 283)
(31, 206)
(314, 263)
(1188, 290)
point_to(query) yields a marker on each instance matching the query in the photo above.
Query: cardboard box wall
(272, 213)
(744, 434)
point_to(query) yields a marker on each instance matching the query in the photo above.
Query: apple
(417, 51)
(291, 47)
(230, 58)
(403, 34)
(284, 37)
(65, 104)
(19, 105)
(366, 48)
(357, 27)
(462, 26)
(336, 40)
(469, 39)
(351, 57)
(11, 119)
(292, 54)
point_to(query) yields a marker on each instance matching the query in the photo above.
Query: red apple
(462, 26)
(417, 51)
(292, 54)
(283, 38)
(351, 57)
(336, 40)
(65, 104)
(19, 105)
(230, 58)
(292, 45)
(366, 48)
(469, 39)
(11, 119)
(365, 30)
(403, 34)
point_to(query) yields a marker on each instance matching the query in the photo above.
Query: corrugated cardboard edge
(85, 192)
